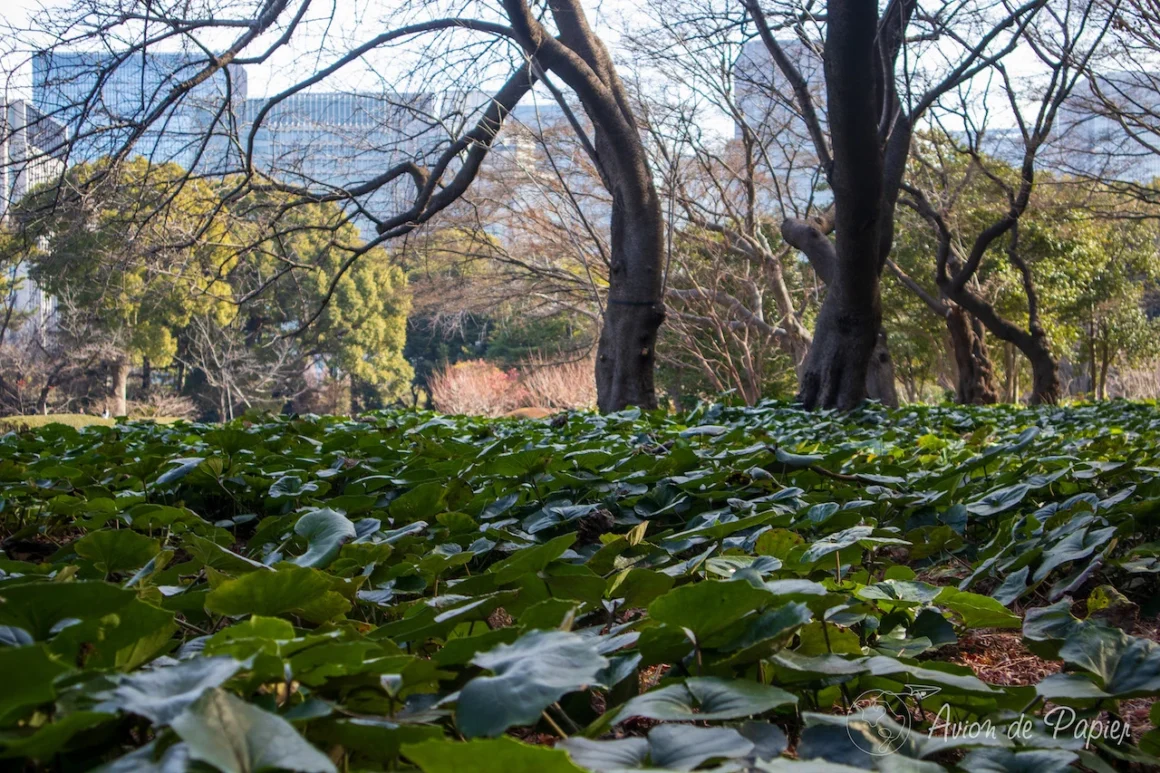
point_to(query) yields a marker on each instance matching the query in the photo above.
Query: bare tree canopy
(432, 122)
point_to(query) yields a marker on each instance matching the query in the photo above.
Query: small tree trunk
(120, 390)
(146, 375)
(1091, 331)
(1045, 387)
(1105, 363)
(975, 378)
(626, 353)
(880, 384)
(1011, 367)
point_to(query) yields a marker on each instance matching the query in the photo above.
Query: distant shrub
(559, 385)
(478, 388)
(531, 412)
(162, 407)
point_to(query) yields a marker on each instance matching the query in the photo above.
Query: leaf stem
(559, 731)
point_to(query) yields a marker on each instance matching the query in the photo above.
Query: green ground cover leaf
(237, 737)
(531, 673)
(324, 591)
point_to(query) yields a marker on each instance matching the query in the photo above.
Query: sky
(330, 25)
(350, 20)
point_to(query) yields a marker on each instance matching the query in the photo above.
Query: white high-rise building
(32, 147)
(100, 96)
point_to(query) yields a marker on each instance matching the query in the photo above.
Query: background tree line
(898, 207)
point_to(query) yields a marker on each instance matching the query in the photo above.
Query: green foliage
(125, 260)
(152, 266)
(513, 341)
(1089, 271)
(308, 594)
(363, 328)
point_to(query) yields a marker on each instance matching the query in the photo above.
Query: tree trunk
(880, 383)
(635, 309)
(845, 339)
(1105, 363)
(1011, 374)
(1091, 331)
(1045, 388)
(975, 377)
(119, 393)
(146, 375)
(849, 323)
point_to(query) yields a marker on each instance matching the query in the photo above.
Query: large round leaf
(325, 532)
(117, 550)
(299, 590)
(163, 693)
(530, 674)
(706, 698)
(705, 608)
(237, 737)
(1126, 666)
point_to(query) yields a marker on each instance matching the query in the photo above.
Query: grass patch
(75, 420)
(78, 420)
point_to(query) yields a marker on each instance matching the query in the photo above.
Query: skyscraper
(32, 151)
(333, 140)
(32, 148)
(103, 98)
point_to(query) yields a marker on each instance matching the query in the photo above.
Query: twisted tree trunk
(974, 374)
(626, 352)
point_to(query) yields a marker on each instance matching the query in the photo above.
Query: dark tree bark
(626, 353)
(811, 240)
(974, 374)
(834, 375)
(1045, 386)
